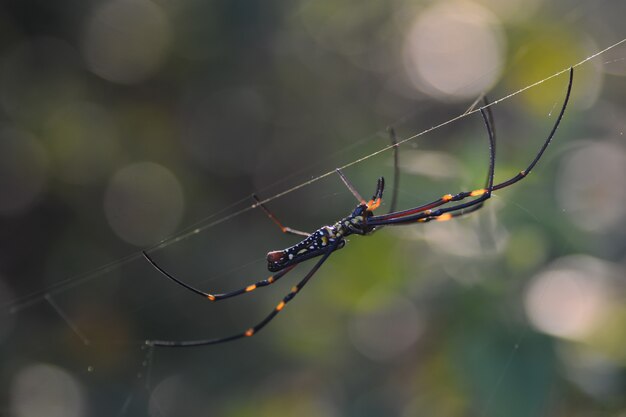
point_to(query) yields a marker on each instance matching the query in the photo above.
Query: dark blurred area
(134, 124)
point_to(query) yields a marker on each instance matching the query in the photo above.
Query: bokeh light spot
(165, 397)
(591, 186)
(454, 49)
(571, 298)
(46, 390)
(127, 41)
(143, 203)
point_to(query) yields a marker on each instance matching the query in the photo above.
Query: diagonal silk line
(15, 306)
(169, 241)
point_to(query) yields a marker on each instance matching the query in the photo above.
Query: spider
(327, 239)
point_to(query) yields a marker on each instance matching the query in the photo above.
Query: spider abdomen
(314, 245)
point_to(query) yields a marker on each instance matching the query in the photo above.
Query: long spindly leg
(216, 297)
(350, 187)
(450, 215)
(249, 288)
(525, 172)
(272, 217)
(428, 214)
(251, 331)
(396, 169)
(376, 199)
(448, 197)
(394, 142)
(425, 210)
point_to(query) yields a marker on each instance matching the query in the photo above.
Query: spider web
(142, 360)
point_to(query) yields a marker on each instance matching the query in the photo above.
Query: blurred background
(127, 122)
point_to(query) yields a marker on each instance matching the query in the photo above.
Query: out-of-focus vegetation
(125, 122)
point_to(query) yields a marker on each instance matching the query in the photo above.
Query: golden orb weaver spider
(362, 221)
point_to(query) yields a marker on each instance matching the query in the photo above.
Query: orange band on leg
(476, 193)
(373, 204)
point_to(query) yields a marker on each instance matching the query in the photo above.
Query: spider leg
(490, 125)
(424, 211)
(447, 216)
(396, 169)
(378, 195)
(216, 297)
(376, 198)
(251, 331)
(457, 210)
(272, 217)
(525, 172)
(421, 215)
(382, 219)
(350, 187)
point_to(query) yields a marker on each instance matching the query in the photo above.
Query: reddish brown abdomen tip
(275, 256)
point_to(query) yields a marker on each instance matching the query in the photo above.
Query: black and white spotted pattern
(317, 243)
